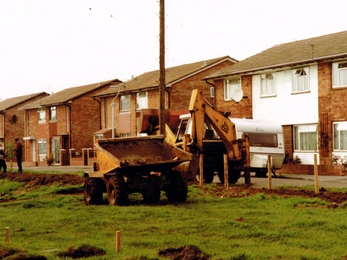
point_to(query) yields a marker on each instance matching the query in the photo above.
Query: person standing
(18, 149)
(2, 158)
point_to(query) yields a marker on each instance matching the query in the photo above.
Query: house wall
(287, 108)
(85, 120)
(76, 122)
(12, 123)
(332, 108)
(237, 109)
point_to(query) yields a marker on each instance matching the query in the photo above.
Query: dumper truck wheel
(116, 192)
(177, 190)
(93, 191)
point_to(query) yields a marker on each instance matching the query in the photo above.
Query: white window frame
(212, 90)
(302, 136)
(42, 143)
(339, 73)
(301, 80)
(229, 86)
(41, 115)
(53, 113)
(268, 84)
(340, 136)
(141, 100)
(125, 103)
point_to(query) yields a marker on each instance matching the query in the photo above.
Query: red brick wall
(85, 120)
(332, 103)
(237, 109)
(288, 140)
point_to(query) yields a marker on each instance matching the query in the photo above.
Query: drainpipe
(3, 113)
(100, 124)
(113, 104)
(70, 123)
(214, 91)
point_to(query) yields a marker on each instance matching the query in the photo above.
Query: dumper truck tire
(116, 192)
(93, 191)
(177, 189)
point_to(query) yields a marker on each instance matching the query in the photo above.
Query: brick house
(62, 122)
(125, 101)
(302, 85)
(12, 119)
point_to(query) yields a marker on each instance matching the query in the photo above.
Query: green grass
(51, 219)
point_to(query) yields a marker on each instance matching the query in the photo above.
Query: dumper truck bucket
(138, 154)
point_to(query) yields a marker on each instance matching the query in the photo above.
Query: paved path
(297, 180)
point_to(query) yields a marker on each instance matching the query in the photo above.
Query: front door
(55, 146)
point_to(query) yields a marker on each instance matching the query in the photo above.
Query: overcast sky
(50, 45)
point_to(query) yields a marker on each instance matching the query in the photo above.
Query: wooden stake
(201, 169)
(117, 240)
(269, 172)
(7, 235)
(226, 171)
(316, 190)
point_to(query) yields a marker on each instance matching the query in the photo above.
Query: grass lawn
(51, 219)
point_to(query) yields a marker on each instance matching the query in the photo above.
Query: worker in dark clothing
(2, 158)
(18, 149)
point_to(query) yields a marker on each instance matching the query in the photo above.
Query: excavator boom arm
(201, 109)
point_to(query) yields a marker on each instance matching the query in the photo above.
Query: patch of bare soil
(82, 252)
(34, 180)
(18, 255)
(184, 253)
(334, 198)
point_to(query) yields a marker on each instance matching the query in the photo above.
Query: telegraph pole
(162, 67)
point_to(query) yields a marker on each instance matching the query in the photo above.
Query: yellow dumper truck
(143, 164)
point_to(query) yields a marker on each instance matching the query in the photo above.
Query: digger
(246, 142)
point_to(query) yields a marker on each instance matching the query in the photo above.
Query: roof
(150, 80)
(305, 51)
(67, 94)
(17, 101)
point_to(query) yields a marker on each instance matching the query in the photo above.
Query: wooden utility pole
(162, 67)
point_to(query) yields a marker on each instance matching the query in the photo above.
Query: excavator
(211, 133)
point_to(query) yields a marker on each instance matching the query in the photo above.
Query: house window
(141, 100)
(53, 113)
(230, 85)
(125, 102)
(212, 92)
(339, 74)
(42, 115)
(340, 136)
(268, 86)
(42, 147)
(300, 80)
(305, 138)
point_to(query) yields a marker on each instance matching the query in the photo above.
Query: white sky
(48, 45)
